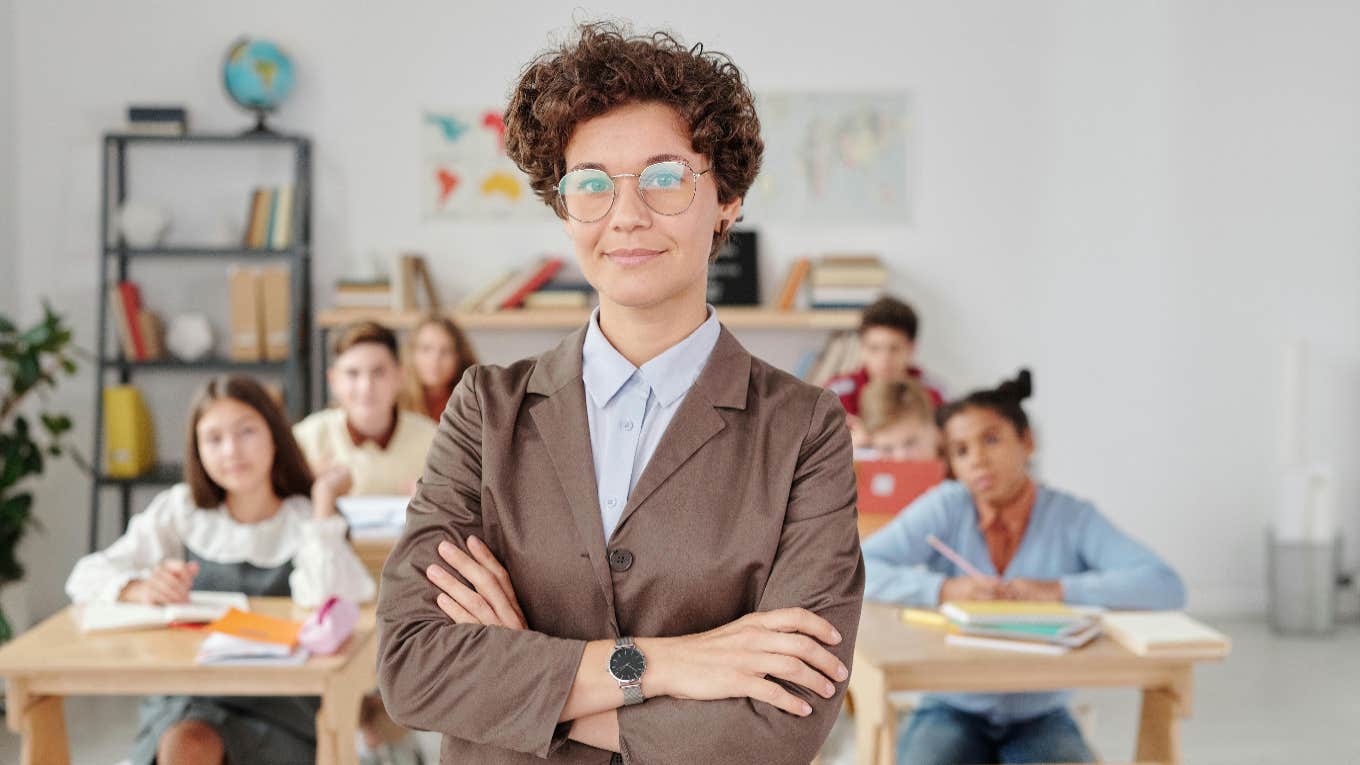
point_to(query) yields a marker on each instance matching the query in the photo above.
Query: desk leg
(875, 726)
(1159, 724)
(337, 723)
(41, 722)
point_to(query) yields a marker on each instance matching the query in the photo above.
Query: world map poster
(832, 158)
(465, 173)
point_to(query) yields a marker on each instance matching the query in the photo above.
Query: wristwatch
(626, 665)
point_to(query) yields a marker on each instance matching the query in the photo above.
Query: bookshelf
(115, 262)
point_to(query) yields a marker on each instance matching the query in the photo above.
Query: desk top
(150, 661)
(920, 658)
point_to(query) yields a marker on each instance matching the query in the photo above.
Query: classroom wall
(1142, 202)
(9, 289)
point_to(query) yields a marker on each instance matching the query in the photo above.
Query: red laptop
(888, 486)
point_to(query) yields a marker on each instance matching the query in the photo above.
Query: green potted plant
(31, 362)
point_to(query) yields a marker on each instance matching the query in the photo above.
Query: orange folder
(252, 626)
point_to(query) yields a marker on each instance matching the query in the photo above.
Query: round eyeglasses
(667, 188)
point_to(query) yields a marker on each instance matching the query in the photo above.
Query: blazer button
(620, 560)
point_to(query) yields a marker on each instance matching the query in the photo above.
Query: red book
(549, 269)
(132, 306)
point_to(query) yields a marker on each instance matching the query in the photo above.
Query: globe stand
(260, 127)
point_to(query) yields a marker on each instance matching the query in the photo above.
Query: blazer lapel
(562, 424)
(722, 384)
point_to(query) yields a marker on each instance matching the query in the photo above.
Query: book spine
(132, 305)
(538, 279)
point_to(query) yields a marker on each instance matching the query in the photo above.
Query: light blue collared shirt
(629, 407)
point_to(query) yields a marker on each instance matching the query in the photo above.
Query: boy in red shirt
(887, 348)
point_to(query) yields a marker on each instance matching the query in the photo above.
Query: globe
(258, 76)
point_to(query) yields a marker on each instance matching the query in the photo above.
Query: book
(1157, 633)
(474, 300)
(788, 294)
(275, 307)
(849, 271)
(132, 306)
(129, 439)
(229, 650)
(246, 327)
(152, 334)
(1015, 612)
(1074, 635)
(537, 279)
(120, 320)
(734, 275)
(844, 296)
(364, 294)
(252, 626)
(271, 219)
(1000, 644)
(497, 298)
(256, 232)
(280, 238)
(252, 212)
(203, 607)
(557, 300)
(413, 278)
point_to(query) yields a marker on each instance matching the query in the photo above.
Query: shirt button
(628, 425)
(620, 560)
(612, 502)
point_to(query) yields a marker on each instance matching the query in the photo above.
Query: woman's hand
(739, 659)
(491, 600)
(330, 484)
(970, 588)
(1049, 590)
(170, 582)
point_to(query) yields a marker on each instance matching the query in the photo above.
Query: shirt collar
(670, 374)
(382, 441)
(1010, 518)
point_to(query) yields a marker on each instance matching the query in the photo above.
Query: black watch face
(627, 664)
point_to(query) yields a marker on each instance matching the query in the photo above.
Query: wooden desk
(54, 659)
(892, 656)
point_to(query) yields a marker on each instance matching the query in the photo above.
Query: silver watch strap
(632, 692)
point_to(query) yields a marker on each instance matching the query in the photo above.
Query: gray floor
(1274, 701)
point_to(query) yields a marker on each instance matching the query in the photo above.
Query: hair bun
(1019, 389)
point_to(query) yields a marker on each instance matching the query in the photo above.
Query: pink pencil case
(326, 630)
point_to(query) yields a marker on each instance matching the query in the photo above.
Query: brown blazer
(748, 504)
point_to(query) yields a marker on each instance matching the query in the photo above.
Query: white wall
(9, 288)
(1140, 201)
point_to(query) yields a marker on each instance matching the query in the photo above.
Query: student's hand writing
(491, 600)
(970, 588)
(1032, 589)
(170, 582)
(331, 483)
(742, 658)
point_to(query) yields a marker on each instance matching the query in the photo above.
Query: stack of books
(539, 285)
(1028, 627)
(140, 334)
(373, 294)
(269, 219)
(845, 281)
(157, 120)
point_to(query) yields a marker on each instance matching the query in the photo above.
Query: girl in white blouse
(242, 521)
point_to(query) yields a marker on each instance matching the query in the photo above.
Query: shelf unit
(116, 257)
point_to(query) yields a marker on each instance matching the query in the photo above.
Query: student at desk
(436, 355)
(1033, 543)
(241, 522)
(368, 445)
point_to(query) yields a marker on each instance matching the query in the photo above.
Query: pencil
(954, 557)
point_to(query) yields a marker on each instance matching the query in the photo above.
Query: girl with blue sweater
(1034, 543)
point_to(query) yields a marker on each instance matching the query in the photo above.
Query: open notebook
(203, 607)
(1163, 633)
(378, 516)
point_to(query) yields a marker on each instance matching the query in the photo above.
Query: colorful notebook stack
(1028, 627)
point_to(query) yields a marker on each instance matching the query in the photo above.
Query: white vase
(142, 224)
(189, 337)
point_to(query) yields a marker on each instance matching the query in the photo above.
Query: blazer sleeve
(488, 685)
(818, 567)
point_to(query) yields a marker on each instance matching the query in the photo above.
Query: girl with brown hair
(435, 356)
(241, 521)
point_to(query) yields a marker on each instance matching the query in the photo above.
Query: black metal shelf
(115, 261)
(206, 252)
(202, 365)
(160, 474)
(265, 139)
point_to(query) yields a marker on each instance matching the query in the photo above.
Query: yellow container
(129, 440)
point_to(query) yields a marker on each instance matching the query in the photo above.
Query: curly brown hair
(607, 67)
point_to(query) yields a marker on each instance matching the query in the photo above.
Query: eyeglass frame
(614, 195)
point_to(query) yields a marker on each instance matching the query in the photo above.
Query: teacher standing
(640, 546)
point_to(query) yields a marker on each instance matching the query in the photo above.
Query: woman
(240, 522)
(436, 355)
(664, 523)
(1034, 543)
